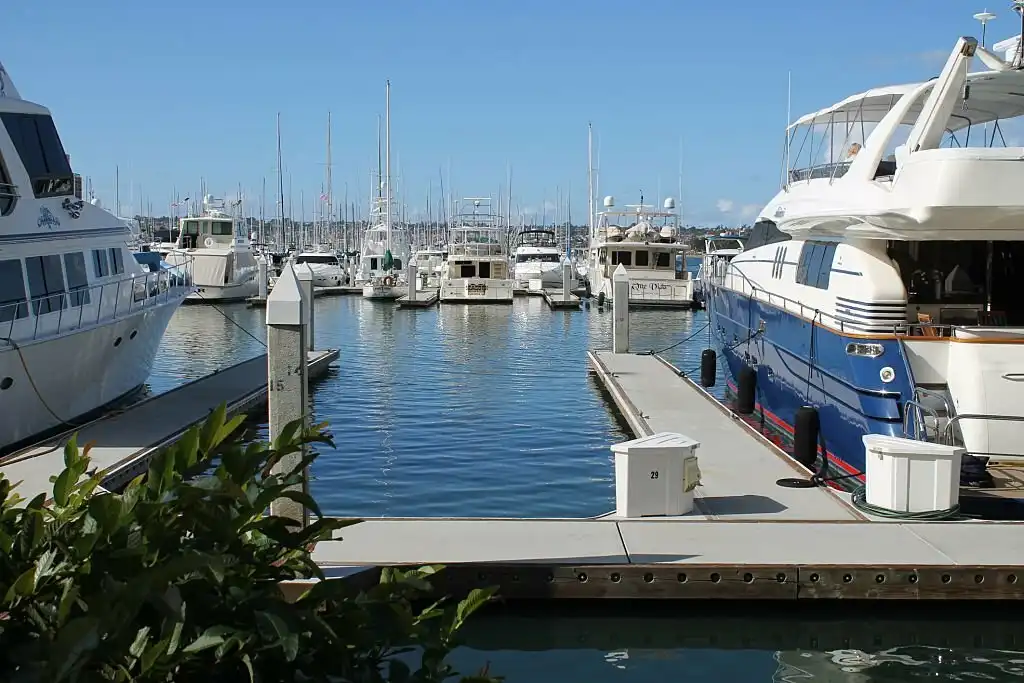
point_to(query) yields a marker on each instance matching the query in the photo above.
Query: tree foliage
(177, 578)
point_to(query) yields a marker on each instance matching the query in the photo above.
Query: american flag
(323, 198)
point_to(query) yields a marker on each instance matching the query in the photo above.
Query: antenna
(1018, 7)
(984, 18)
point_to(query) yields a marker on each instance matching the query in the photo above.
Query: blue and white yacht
(880, 285)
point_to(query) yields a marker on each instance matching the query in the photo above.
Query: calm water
(489, 410)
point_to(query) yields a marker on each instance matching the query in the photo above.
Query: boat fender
(708, 367)
(389, 281)
(746, 386)
(806, 429)
(586, 286)
(209, 242)
(600, 300)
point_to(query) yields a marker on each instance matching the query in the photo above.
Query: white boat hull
(653, 293)
(236, 292)
(550, 274)
(108, 363)
(382, 291)
(477, 290)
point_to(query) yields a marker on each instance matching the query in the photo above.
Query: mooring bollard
(567, 281)
(261, 275)
(304, 273)
(288, 378)
(620, 310)
(412, 274)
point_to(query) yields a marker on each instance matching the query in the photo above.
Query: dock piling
(620, 310)
(567, 281)
(304, 273)
(288, 375)
(411, 276)
(262, 276)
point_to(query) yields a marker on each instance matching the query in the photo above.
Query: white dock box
(655, 475)
(911, 476)
(536, 285)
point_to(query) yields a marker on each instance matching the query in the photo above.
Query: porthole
(6, 383)
(117, 342)
(133, 334)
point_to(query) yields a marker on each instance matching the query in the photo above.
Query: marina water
(490, 411)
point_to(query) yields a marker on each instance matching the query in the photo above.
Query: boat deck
(125, 441)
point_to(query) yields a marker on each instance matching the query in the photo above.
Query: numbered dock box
(655, 475)
(906, 475)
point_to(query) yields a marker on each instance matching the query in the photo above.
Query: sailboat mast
(330, 196)
(387, 160)
(280, 187)
(590, 179)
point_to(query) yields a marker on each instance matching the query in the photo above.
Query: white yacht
(477, 269)
(537, 257)
(647, 248)
(222, 263)
(718, 251)
(326, 266)
(385, 248)
(896, 239)
(80, 318)
(429, 265)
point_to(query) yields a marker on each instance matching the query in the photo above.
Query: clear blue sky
(172, 92)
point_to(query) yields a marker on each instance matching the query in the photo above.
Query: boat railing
(51, 315)
(918, 409)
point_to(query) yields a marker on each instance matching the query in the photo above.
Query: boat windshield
(317, 258)
(541, 258)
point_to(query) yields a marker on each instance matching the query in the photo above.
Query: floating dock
(124, 442)
(747, 537)
(556, 300)
(424, 299)
(261, 302)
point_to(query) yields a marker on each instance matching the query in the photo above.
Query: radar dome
(670, 203)
(95, 201)
(476, 202)
(609, 201)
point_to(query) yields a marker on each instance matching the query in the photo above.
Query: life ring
(389, 281)
(209, 242)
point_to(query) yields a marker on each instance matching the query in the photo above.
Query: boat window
(8, 192)
(45, 283)
(815, 266)
(623, 257)
(78, 279)
(190, 228)
(643, 258)
(664, 259)
(37, 143)
(100, 262)
(765, 232)
(467, 270)
(222, 228)
(397, 264)
(317, 258)
(12, 291)
(116, 261)
(373, 264)
(541, 258)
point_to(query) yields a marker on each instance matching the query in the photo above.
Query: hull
(383, 292)
(109, 363)
(550, 274)
(237, 292)
(669, 294)
(477, 290)
(847, 391)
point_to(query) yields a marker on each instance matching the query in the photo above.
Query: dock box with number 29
(655, 475)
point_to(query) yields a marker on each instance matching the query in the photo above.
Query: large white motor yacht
(80, 319)
(537, 257)
(326, 266)
(477, 269)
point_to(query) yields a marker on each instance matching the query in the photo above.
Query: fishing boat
(537, 257)
(477, 268)
(80, 318)
(644, 241)
(222, 263)
(879, 287)
(384, 249)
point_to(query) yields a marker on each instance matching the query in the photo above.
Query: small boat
(537, 257)
(326, 267)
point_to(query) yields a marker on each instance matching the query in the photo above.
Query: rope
(652, 352)
(234, 322)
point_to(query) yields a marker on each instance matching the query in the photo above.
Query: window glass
(643, 258)
(222, 228)
(100, 262)
(37, 143)
(116, 261)
(12, 291)
(664, 259)
(78, 279)
(45, 283)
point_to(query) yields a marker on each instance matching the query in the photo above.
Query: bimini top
(994, 95)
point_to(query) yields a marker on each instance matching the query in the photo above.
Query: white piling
(288, 377)
(262, 276)
(566, 281)
(620, 310)
(412, 275)
(304, 273)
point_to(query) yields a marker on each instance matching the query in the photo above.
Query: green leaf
(477, 598)
(62, 484)
(211, 637)
(106, 510)
(271, 626)
(22, 586)
(71, 455)
(248, 667)
(77, 638)
(67, 600)
(211, 427)
(138, 646)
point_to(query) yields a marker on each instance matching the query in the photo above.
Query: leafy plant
(177, 578)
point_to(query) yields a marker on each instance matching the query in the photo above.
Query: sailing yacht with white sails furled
(385, 248)
(80, 318)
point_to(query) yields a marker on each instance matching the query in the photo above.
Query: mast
(280, 186)
(387, 161)
(590, 180)
(380, 172)
(330, 196)
(117, 191)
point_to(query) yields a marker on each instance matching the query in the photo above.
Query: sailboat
(384, 249)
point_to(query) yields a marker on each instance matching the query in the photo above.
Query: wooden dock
(424, 299)
(557, 302)
(747, 538)
(124, 442)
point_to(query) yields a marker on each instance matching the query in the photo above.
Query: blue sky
(174, 92)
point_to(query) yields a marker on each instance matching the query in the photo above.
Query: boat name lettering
(641, 286)
(476, 288)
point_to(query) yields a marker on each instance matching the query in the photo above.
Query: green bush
(177, 578)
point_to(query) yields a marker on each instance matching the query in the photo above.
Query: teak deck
(747, 539)
(124, 442)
